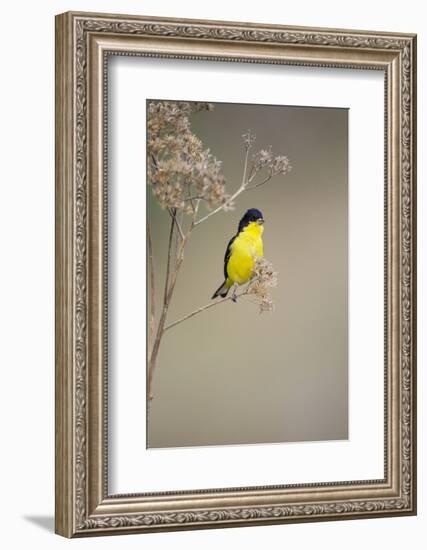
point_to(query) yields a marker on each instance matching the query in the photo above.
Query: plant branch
(170, 282)
(179, 260)
(172, 212)
(180, 233)
(152, 287)
(203, 308)
(193, 198)
(221, 207)
(168, 265)
(243, 187)
(245, 166)
(263, 182)
(162, 320)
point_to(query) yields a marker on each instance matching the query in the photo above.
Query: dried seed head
(248, 139)
(264, 278)
(179, 169)
(281, 165)
(265, 160)
(262, 158)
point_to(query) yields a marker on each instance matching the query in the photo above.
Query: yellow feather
(247, 246)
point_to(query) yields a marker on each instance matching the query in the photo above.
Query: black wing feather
(227, 255)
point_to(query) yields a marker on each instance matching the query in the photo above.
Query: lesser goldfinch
(242, 251)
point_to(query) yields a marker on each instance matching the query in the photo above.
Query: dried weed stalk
(183, 176)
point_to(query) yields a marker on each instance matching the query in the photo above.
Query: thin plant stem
(263, 182)
(180, 225)
(192, 198)
(170, 282)
(236, 194)
(244, 186)
(245, 166)
(172, 212)
(216, 210)
(203, 308)
(168, 265)
(156, 345)
(152, 287)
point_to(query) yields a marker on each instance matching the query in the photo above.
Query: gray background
(231, 375)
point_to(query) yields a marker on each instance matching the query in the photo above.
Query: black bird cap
(251, 215)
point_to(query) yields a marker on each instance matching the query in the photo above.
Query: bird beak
(260, 221)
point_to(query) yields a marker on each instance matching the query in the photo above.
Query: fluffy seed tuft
(263, 280)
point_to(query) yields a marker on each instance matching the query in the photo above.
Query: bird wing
(227, 255)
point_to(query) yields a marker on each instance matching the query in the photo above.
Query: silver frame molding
(83, 43)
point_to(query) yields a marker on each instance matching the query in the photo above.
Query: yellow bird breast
(247, 246)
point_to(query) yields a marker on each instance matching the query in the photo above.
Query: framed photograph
(235, 274)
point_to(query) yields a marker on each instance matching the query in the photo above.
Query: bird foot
(234, 296)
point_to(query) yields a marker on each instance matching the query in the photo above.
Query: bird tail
(221, 291)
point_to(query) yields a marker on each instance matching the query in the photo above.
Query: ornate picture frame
(84, 42)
